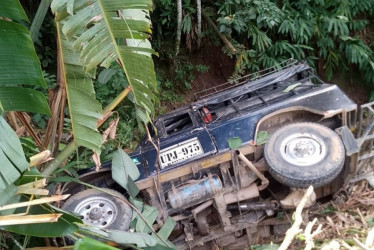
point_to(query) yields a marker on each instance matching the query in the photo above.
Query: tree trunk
(179, 27)
(198, 4)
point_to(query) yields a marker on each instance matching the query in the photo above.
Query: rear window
(177, 123)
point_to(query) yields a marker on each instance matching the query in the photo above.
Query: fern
(305, 29)
(260, 41)
(331, 63)
(339, 26)
(357, 25)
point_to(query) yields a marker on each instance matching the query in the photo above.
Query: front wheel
(303, 154)
(100, 209)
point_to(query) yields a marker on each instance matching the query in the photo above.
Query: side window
(177, 123)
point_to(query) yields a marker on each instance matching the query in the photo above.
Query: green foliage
(19, 64)
(13, 161)
(125, 172)
(329, 210)
(111, 82)
(29, 147)
(185, 72)
(267, 32)
(265, 247)
(165, 23)
(102, 41)
(249, 20)
(234, 142)
(44, 48)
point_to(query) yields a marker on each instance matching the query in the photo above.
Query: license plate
(180, 152)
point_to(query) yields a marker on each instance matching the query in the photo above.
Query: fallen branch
(309, 236)
(223, 37)
(295, 228)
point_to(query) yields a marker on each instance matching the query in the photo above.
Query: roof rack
(244, 79)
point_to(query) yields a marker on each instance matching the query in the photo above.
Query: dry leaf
(96, 159)
(112, 133)
(111, 130)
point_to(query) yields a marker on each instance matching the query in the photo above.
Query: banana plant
(90, 33)
(20, 74)
(102, 32)
(99, 33)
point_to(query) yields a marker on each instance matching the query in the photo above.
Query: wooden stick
(309, 236)
(295, 228)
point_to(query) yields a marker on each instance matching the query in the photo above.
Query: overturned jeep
(224, 167)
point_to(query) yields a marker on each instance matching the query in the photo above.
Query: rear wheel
(100, 209)
(303, 154)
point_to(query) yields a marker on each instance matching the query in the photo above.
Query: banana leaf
(104, 31)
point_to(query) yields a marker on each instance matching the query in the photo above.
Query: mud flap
(349, 141)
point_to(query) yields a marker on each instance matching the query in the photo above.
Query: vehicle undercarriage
(245, 194)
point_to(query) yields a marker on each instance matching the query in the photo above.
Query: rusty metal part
(180, 217)
(250, 219)
(243, 194)
(201, 207)
(188, 230)
(225, 173)
(250, 206)
(202, 222)
(194, 193)
(264, 180)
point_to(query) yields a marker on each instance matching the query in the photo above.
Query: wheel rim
(97, 211)
(303, 149)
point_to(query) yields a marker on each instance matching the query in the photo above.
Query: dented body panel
(237, 111)
(219, 195)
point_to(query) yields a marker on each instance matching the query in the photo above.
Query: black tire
(303, 154)
(101, 209)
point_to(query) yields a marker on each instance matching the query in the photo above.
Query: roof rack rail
(244, 79)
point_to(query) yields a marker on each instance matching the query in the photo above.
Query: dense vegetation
(334, 36)
(329, 34)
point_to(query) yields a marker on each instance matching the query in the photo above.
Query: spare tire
(303, 154)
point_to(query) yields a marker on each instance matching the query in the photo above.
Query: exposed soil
(221, 68)
(352, 87)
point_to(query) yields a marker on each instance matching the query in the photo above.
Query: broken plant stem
(295, 228)
(115, 102)
(70, 148)
(28, 219)
(157, 148)
(309, 236)
(35, 202)
(59, 159)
